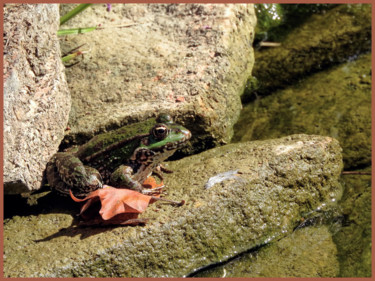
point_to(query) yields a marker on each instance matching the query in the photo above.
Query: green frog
(123, 158)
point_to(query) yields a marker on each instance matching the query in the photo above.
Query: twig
(269, 44)
(355, 173)
(72, 50)
(119, 26)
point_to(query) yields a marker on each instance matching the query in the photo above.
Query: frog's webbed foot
(158, 174)
(158, 171)
(164, 169)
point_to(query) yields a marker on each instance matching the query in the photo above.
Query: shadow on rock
(76, 229)
(43, 202)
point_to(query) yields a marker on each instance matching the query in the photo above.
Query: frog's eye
(159, 132)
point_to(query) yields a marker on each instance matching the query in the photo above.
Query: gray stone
(276, 180)
(191, 60)
(36, 97)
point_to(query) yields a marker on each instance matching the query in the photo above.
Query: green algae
(335, 102)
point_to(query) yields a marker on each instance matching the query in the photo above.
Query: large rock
(335, 102)
(322, 40)
(277, 180)
(36, 97)
(191, 60)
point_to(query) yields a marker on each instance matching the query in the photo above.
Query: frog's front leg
(122, 178)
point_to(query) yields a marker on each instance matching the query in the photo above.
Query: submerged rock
(191, 60)
(322, 40)
(335, 102)
(36, 96)
(277, 180)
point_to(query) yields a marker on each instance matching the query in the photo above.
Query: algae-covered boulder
(322, 40)
(335, 102)
(191, 60)
(237, 197)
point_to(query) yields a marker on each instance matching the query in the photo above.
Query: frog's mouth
(186, 135)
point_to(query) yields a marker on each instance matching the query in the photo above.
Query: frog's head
(166, 135)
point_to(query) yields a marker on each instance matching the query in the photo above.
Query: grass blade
(71, 56)
(73, 12)
(75, 30)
